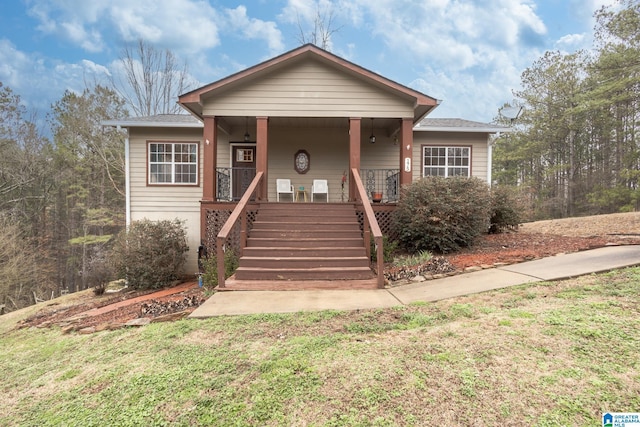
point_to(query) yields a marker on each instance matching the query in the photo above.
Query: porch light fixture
(372, 138)
(246, 129)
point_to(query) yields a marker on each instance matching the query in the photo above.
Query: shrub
(504, 209)
(210, 265)
(442, 214)
(389, 247)
(99, 272)
(150, 254)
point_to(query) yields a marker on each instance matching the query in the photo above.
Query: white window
(446, 161)
(173, 163)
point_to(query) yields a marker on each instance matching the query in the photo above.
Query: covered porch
(376, 154)
(306, 115)
(330, 148)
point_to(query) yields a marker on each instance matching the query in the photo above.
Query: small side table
(303, 194)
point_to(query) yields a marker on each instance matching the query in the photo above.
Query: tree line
(62, 197)
(575, 149)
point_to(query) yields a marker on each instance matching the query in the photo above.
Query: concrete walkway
(552, 268)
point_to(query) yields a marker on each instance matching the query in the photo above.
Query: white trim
(127, 178)
(152, 124)
(446, 166)
(173, 163)
(460, 129)
(489, 161)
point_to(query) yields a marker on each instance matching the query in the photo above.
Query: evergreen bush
(505, 209)
(150, 254)
(99, 271)
(442, 214)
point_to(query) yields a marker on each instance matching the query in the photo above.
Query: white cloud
(584, 9)
(12, 65)
(40, 81)
(187, 27)
(94, 68)
(252, 28)
(68, 19)
(571, 42)
(181, 25)
(91, 40)
(467, 96)
(454, 34)
(296, 11)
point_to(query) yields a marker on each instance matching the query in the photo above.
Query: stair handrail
(240, 211)
(371, 227)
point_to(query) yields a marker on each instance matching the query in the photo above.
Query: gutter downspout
(489, 159)
(127, 179)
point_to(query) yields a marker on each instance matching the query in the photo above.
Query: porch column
(354, 152)
(210, 139)
(262, 150)
(406, 152)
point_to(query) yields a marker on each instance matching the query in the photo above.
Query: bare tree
(323, 28)
(23, 269)
(150, 80)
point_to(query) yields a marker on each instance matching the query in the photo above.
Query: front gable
(309, 88)
(308, 82)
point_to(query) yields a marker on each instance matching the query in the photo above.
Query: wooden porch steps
(302, 242)
(296, 233)
(304, 246)
(300, 251)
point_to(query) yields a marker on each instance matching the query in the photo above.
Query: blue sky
(468, 53)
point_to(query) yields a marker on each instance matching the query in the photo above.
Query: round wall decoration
(301, 161)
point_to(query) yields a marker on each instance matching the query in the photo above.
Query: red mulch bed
(515, 247)
(489, 250)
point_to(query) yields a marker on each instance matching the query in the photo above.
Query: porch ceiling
(390, 126)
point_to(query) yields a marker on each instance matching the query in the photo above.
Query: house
(302, 116)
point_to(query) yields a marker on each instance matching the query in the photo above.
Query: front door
(243, 169)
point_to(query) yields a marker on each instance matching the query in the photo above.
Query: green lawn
(549, 354)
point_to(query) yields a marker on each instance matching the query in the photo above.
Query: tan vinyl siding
(384, 154)
(166, 202)
(328, 150)
(477, 142)
(223, 159)
(309, 89)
